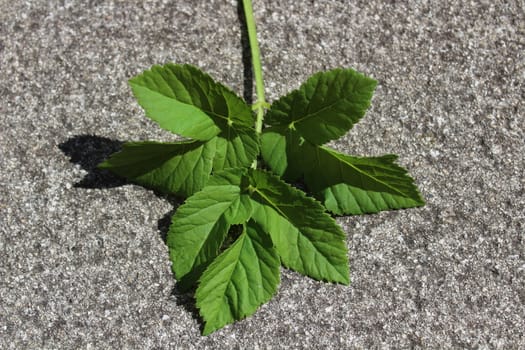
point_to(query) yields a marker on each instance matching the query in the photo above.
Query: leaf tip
(207, 329)
(346, 279)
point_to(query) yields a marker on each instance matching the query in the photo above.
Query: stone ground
(83, 263)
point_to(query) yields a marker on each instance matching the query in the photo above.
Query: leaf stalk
(261, 103)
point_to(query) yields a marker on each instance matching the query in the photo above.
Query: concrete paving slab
(83, 264)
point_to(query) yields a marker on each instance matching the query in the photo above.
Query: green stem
(260, 104)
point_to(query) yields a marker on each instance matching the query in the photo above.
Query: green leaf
(188, 102)
(236, 147)
(242, 278)
(240, 209)
(198, 229)
(280, 224)
(345, 184)
(184, 100)
(282, 149)
(180, 168)
(325, 107)
(200, 225)
(357, 185)
(308, 240)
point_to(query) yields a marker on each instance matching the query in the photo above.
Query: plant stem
(260, 104)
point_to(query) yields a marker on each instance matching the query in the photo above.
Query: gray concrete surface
(83, 264)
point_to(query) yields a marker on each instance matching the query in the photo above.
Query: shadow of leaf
(246, 56)
(88, 151)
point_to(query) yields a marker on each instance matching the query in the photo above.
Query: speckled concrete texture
(83, 264)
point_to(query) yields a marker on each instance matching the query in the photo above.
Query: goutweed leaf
(358, 185)
(280, 225)
(308, 240)
(180, 168)
(198, 229)
(345, 184)
(239, 224)
(239, 280)
(326, 106)
(235, 147)
(187, 101)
